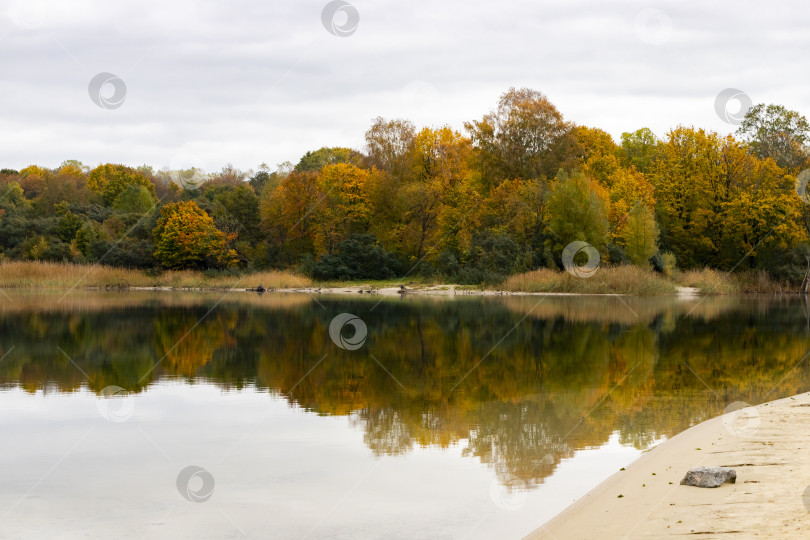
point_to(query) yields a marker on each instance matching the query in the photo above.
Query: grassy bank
(750, 282)
(635, 281)
(628, 280)
(618, 280)
(45, 275)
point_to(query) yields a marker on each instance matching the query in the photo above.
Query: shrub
(358, 257)
(493, 257)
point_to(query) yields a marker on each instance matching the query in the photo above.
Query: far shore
(766, 445)
(611, 280)
(436, 290)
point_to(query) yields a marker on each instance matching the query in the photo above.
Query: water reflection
(520, 383)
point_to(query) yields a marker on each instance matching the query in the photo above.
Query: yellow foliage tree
(185, 237)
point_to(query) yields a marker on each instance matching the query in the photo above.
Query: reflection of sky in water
(280, 472)
(550, 404)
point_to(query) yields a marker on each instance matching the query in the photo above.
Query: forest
(504, 197)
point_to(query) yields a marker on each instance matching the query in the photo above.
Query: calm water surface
(457, 417)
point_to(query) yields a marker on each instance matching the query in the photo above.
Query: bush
(357, 257)
(492, 258)
(57, 252)
(786, 265)
(617, 255)
(446, 264)
(126, 253)
(665, 263)
(669, 264)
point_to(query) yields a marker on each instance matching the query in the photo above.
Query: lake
(238, 415)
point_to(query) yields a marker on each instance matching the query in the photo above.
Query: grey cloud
(252, 81)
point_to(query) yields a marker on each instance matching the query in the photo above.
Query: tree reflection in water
(519, 383)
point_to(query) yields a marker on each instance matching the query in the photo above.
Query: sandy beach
(434, 290)
(768, 447)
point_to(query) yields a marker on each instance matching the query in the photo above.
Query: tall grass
(710, 281)
(760, 282)
(48, 275)
(628, 280)
(610, 280)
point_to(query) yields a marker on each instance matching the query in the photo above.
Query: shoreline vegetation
(524, 189)
(620, 280)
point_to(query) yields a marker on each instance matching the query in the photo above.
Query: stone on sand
(709, 477)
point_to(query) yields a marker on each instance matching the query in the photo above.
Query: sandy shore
(768, 446)
(436, 290)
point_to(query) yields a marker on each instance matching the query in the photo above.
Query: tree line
(505, 196)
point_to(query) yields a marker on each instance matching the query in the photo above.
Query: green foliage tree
(639, 235)
(12, 197)
(317, 160)
(84, 239)
(134, 199)
(576, 210)
(69, 223)
(640, 149)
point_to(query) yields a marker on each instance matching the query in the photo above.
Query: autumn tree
(388, 143)
(440, 162)
(524, 137)
(185, 237)
(778, 133)
(344, 208)
(288, 215)
(34, 180)
(599, 153)
(717, 204)
(227, 176)
(628, 187)
(110, 180)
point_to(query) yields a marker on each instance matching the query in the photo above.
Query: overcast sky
(252, 81)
